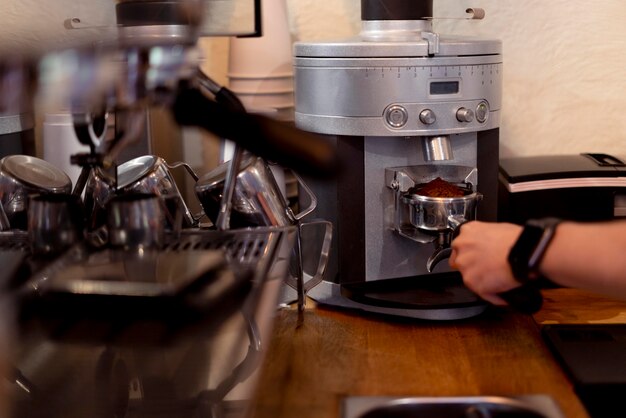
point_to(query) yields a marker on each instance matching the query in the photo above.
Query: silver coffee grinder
(404, 106)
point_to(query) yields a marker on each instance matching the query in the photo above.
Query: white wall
(564, 60)
(564, 72)
(564, 65)
(38, 25)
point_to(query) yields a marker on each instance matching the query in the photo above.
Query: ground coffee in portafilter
(437, 188)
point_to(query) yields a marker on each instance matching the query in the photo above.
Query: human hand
(480, 253)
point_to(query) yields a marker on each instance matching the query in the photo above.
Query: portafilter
(441, 216)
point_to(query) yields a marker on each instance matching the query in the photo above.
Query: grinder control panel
(398, 116)
(399, 96)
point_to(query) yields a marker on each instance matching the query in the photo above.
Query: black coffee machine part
(396, 9)
(307, 153)
(151, 12)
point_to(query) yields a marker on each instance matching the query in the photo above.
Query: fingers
(479, 253)
(452, 260)
(494, 300)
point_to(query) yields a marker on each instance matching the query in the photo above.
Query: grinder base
(436, 297)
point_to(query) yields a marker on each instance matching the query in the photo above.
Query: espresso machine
(106, 328)
(404, 106)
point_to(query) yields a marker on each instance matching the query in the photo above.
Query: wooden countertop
(572, 306)
(309, 369)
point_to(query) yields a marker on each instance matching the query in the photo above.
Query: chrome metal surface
(437, 148)
(425, 219)
(450, 46)
(482, 112)
(222, 222)
(16, 123)
(428, 117)
(35, 172)
(465, 115)
(145, 174)
(55, 222)
(252, 199)
(440, 213)
(161, 35)
(396, 116)
(533, 406)
(113, 76)
(257, 199)
(135, 221)
(14, 240)
(394, 30)
(22, 176)
(388, 254)
(5, 225)
(343, 87)
(209, 372)
(348, 96)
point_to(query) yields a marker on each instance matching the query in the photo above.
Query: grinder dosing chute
(436, 219)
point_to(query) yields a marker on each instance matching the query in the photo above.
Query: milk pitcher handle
(309, 192)
(186, 166)
(191, 219)
(324, 253)
(4, 220)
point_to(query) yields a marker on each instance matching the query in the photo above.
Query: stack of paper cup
(260, 70)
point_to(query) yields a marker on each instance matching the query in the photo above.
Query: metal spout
(437, 148)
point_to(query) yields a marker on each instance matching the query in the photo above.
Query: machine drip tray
(437, 291)
(528, 406)
(439, 296)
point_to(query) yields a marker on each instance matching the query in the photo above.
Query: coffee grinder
(404, 106)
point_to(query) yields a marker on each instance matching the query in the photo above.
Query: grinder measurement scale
(405, 106)
(433, 71)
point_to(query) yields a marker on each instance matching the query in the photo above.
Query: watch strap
(528, 251)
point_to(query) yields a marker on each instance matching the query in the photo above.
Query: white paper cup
(256, 75)
(272, 101)
(284, 114)
(262, 92)
(261, 84)
(269, 54)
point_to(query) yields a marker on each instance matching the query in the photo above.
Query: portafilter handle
(282, 143)
(444, 250)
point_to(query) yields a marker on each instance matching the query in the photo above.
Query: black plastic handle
(526, 298)
(276, 141)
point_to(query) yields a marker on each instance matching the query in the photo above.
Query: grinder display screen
(444, 87)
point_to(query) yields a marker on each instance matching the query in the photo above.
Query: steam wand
(231, 101)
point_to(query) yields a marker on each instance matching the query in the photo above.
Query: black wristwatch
(530, 247)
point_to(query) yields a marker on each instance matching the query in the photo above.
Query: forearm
(588, 256)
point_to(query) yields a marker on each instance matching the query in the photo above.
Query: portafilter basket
(442, 216)
(439, 214)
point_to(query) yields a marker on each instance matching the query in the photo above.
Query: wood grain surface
(334, 354)
(572, 306)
